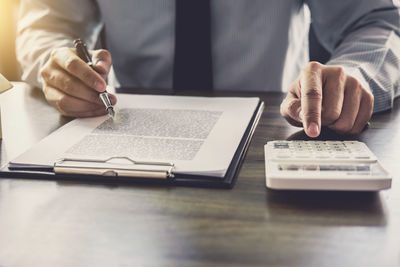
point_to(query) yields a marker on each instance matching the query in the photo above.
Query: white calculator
(323, 165)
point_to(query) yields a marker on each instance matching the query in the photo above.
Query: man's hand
(72, 87)
(325, 95)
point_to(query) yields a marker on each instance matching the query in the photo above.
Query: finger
(311, 99)
(332, 95)
(102, 61)
(69, 61)
(290, 109)
(351, 105)
(291, 105)
(364, 113)
(70, 85)
(70, 106)
(88, 114)
(113, 99)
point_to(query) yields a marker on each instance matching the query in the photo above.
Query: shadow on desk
(332, 207)
(326, 134)
(339, 207)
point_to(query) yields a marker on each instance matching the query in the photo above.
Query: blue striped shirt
(257, 45)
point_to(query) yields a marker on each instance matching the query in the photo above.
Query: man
(258, 45)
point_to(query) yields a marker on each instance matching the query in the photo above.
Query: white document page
(198, 134)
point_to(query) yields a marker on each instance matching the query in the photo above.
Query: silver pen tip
(111, 112)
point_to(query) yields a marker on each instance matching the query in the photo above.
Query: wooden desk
(50, 223)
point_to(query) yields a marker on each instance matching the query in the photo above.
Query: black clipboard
(37, 172)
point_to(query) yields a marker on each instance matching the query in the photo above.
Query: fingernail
(301, 115)
(101, 63)
(313, 129)
(99, 86)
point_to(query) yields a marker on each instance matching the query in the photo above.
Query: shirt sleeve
(363, 37)
(47, 24)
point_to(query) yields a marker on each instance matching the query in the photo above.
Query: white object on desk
(4, 86)
(190, 132)
(323, 165)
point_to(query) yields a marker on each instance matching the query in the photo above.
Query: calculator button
(346, 168)
(342, 157)
(362, 157)
(323, 156)
(288, 168)
(281, 145)
(303, 156)
(327, 168)
(362, 168)
(311, 168)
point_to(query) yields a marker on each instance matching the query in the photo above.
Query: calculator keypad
(332, 151)
(323, 165)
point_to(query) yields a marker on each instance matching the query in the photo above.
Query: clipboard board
(140, 172)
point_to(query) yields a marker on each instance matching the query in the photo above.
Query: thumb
(291, 110)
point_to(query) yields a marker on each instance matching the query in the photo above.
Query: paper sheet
(198, 134)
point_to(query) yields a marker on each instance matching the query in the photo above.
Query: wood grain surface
(52, 223)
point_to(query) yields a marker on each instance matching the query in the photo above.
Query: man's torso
(257, 45)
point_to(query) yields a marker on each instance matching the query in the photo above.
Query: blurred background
(8, 19)
(8, 23)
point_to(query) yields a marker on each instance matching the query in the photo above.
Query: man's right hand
(72, 86)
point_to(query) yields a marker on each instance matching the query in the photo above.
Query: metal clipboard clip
(116, 167)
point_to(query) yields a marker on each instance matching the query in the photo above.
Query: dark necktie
(192, 62)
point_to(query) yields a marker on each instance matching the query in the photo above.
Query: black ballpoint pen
(83, 53)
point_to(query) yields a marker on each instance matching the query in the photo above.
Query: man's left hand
(326, 96)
